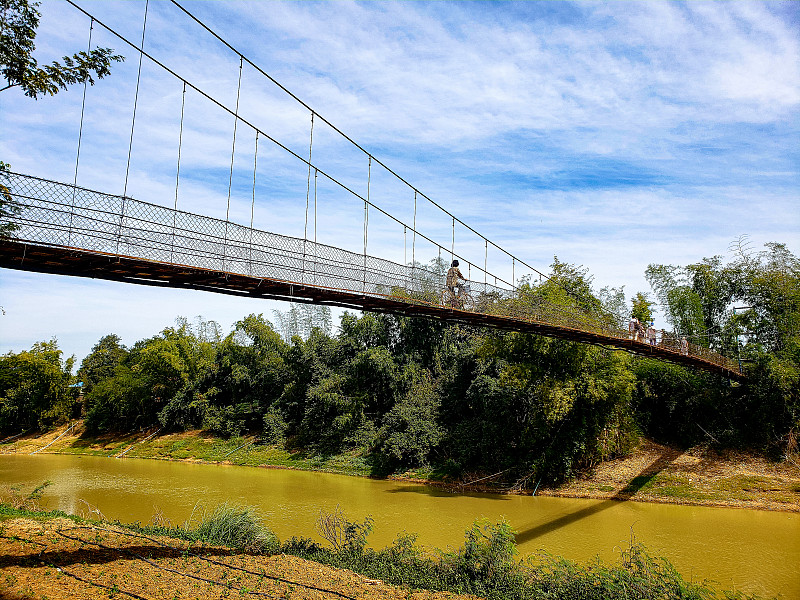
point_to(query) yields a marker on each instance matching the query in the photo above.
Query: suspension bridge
(64, 228)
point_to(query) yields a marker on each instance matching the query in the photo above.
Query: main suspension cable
(346, 137)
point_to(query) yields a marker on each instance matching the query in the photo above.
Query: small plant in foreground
(345, 536)
(237, 527)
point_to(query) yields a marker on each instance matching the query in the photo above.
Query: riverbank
(652, 473)
(698, 476)
(54, 555)
(62, 558)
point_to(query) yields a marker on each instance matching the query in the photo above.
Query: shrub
(346, 537)
(236, 527)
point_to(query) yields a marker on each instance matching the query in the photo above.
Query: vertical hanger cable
(308, 192)
(253, 203)
(133, 124)
(366, 222)
(177, 174)
(414, 242)
(233, 154)
(80, 136)
(135, 100)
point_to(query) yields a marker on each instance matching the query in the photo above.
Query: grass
(682, 487)
(204, 448)
(236, 527)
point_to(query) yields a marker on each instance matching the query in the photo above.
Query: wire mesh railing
(57, 214)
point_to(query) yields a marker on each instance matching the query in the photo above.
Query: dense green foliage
(468, 402)
(747, 308)
(34, 390)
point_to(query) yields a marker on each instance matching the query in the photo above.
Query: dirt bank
(63, 559)
(658, 473)
(653, 473)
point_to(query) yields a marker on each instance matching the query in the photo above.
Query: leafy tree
(613, 301)
(682, 305)
(410, 430)
(100, 363)
(302, 319)
(699, 299)
(34, 390)
(642, 308)
(245, 380)
(538, 405)
(566, 296)
(122, 402)
(768, 284)
(157, 374)
(18, 22)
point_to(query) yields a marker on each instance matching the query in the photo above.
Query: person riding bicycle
(453, 275)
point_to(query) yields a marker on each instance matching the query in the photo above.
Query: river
(754, 551)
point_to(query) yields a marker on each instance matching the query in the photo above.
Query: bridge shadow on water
(633, 486)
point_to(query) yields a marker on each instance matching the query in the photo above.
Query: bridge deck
(69, 230)
(16, 254)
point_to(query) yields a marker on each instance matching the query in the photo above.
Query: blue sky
(613, 135)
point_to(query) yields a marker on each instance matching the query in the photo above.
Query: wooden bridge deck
(61, 260)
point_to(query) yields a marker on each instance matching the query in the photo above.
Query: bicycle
(461, 301)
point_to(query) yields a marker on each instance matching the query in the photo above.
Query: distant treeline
(409, 392)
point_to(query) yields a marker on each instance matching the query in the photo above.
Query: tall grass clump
(235, 527)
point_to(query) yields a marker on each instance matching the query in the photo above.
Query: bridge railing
(58, 214)
(63, 215)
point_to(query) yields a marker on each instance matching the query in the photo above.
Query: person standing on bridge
(453, 275)
(651, 335)
(633, 329)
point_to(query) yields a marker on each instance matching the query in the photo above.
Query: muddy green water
(754, 551)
